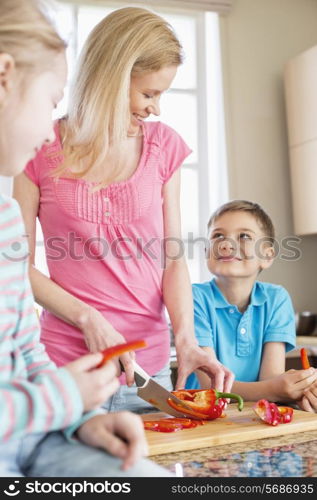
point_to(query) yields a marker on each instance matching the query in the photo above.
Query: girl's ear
(7, 68)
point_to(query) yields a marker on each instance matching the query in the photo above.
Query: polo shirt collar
(258, 296)
(219, 300)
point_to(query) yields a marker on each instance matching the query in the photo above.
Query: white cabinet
(300, 80)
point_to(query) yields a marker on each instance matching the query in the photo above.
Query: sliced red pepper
(286, 414)
(304, 358)
(170, 424)
(187, 422)
(119, 349)
(205, 404)
(268, 412)
(272, 414)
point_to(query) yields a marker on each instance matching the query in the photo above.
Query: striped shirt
(35, 396)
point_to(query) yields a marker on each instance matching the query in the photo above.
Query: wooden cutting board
(234, 428)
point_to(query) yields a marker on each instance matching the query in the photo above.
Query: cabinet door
(300, 79)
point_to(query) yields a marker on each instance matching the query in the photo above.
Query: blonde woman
(37, 400)
(107, 196)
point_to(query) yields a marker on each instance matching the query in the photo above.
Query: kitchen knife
(155, 394)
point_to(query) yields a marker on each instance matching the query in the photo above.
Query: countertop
(284, 456)
(293, 455)
(309, 342)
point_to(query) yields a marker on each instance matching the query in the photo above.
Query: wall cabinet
(300, 83)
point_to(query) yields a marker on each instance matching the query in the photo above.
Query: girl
(36, 399)
(107, 196)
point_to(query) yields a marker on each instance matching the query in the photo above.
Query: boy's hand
(309, 400)
(193, 357)
(95, 385)
(121, 434)
(293, 383)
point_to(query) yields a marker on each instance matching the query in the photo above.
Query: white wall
(259, 36)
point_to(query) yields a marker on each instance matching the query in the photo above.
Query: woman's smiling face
(145, 94)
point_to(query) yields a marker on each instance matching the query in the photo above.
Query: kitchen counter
(284, 456)
(309, 342)
(293, 455)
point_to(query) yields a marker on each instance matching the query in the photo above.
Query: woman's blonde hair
(27, 34)
(130, 41)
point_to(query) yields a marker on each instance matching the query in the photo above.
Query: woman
(107, 195)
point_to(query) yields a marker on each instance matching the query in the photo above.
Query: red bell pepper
(170, 424)
(205, 404)
(119, 349)
(286, 414)
(304, 358)
(272, 414)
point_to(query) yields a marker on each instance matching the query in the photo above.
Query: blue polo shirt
(238, 338)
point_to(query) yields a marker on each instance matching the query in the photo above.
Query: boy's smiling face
(238, 247)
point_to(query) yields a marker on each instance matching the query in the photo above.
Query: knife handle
(141, 378)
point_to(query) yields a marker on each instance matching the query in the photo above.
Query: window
(193, 107)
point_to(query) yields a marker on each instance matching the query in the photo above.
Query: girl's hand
(95, 385)
(191, 357)
(121, 434)
(99, 334)
(292, 384)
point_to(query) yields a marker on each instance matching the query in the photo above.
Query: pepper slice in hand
(272, 414)
(119, 349)
(170, 424)
(304, 358)
(205, 404)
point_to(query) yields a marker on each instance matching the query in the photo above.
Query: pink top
(105, 247)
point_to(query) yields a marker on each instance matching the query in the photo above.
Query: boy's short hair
(254, 209)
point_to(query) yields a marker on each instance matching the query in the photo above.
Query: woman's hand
(191, 357)
(99, 334)
(121, 434)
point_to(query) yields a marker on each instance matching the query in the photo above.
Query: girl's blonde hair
(27, 34)
(130, 41)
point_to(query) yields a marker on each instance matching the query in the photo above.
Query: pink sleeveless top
(106, 247)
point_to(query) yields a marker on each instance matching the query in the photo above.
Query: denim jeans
(51, 455)
(126, 398)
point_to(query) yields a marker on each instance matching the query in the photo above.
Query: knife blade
(157, 395)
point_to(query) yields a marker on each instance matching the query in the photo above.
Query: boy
(244, 323)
